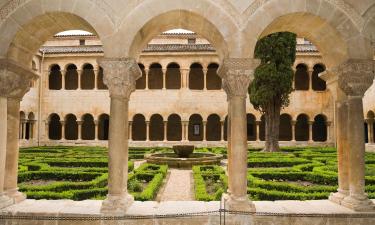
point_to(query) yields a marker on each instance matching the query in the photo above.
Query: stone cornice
(15, 79)
(236, 74)
(120, 75)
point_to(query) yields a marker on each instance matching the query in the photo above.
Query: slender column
(185, 130)
(146, 73)
(294, 130)
(165, 130)
(222, 123)
(4, 200)
(79, 130)
(147, 130)
(205, 79)
(23, 122)
(164, 78)
(328, 124)
(237, 75)
(258, 129)
(184, 73)
(369, 130)
(130, 130)
(63, 79)
(96, 72)
(79, 79)
(120, 77)
(311, 130)
(96, 122)
(310, 78)
(204, 130)
(46, 131)
(62, 130)
(31, 129)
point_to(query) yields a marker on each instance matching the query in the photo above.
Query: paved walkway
(179, 186)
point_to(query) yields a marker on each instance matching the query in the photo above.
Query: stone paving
(179, 186)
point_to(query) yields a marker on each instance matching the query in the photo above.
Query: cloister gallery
(129, 83)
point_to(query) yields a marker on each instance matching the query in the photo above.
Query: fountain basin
(173, 160)
(183, 151)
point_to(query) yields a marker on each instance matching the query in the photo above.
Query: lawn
(81, 173)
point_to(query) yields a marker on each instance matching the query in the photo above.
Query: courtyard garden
(80, 173)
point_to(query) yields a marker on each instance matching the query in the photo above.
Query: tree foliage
(273, 78)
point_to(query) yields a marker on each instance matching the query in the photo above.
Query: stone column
(79, 122)
(237, 73)
(146, 78)
(130, 130)
(62, 129)
(204, 130)
(164, 78)
(222, 123)
(205, 79)
(62, 79)
(258, 129)
(294, 130)
(165, 130)
(310, 78)
(328, 124)
(96, 72)
(311, 131)
(147, 130)
(184, 135)
(370, 124)
(96, 122)
(46, 129)
(14, 84)
(79, 79)
(120, 77)
(31, 129)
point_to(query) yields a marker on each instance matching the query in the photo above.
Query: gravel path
(179, 186)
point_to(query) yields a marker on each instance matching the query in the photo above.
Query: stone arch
(317, 83)
(103, 123)
(156, 128)
(302, 128)
(55, 77)
(213, 128)
(88, 127)
(22, 32)
(71, 77)
(87, 77)
(54, 127)
(141, 82)
(174, 128)
(195, 128)
(319, 129)
(251, 127)
(139, 128)
(325, 23)
(100, 80)
(71, 127)
(196, 77)
(160, 15)
(173, 76)
(301, 77)
(155, 76)
(213, 81)
(285, 127)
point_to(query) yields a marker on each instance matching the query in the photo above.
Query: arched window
(55, 78)
(71, 127)
(100, 80)
(251, 127)
(54, 127)
(88, 77)
(213, 81)
(30, 126)
(21, 125)
(319, 128)
(318, 84)
(174, 128)
(155, 76)
(156, 128)
(139, 128)
(71, 77)
(285, 128)
(173, 76)
(141, 82)
(103, 127)
(226, 128)
(88, 127)
(195, 128)
(302, 128)
(196, 77)
(213, 128)
(301, 78)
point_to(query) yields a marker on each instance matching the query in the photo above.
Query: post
(237, 73)
(120, 76)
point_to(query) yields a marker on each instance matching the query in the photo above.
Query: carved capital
(15, 79)
(120, 75)
(236, 74)
(355, 76)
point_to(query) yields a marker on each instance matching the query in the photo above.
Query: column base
(338, 196)
(359, 203)
(5, 201)
(15, 195)
(115, 205)
(243, 204)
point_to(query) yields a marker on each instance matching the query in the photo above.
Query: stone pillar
(14, 84)
(23, 122)
(310, 78)
(79, 79)
(96, 72)
(185, 132)
(222, 130)
(62, 129)
(370, 126)
(184, 80)
(237, 73)
(79, 122)
(31, 129)
(96, 122)
(130, 130)
(204, 130)
(205, 79)
(258, 130)
(146, 78)
(328, 124)
(62, 79)
(164, 78)
(46, 129)
(165, 130)
(294, 130)
(311, 131)
(120, 76)
(147, 130)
